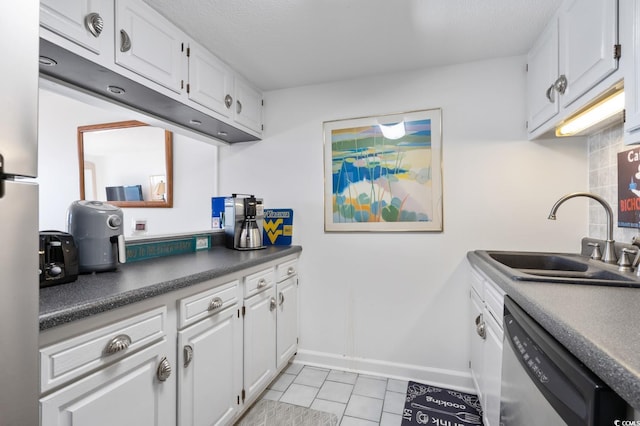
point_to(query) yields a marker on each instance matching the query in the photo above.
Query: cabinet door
(210, 81)
(477, 343)
(588, 35)
(542, 72)
(492, 370)
(248, 105)
(76, 20)
(259, 341)
(148, 44)
(287, 320)
(632, 81)
(210, 378)
(125, 393)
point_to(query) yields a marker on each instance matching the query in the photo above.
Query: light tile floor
(357, 399)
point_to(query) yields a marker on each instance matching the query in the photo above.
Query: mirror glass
(127, 163)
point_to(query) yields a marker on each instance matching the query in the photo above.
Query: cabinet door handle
(281, 297)
(291, 270)
(551, 93)
(480, 327)
(117, 344)
(94, 24)
(125, 41)
(164, 370)
(273, 304)
(228, 101)
(188, 355)
(238, 107)
(561, 84)
(216, 303)
(262, 282)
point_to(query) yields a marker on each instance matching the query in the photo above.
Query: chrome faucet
(609, 255)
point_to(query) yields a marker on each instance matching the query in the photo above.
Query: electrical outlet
(202, 243)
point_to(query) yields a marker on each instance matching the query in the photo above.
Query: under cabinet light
(598, 112)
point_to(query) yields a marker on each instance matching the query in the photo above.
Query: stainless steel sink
(558, 268)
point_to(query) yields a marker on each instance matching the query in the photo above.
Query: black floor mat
(430, 405)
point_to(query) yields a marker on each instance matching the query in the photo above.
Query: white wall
(195, 173)
(398, 304)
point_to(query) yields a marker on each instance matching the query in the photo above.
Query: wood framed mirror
(126, 163)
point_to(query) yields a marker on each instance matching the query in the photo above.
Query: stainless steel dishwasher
(544, 384)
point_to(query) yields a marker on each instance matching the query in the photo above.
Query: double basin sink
(563, 268)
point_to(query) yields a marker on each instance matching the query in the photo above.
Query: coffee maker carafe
(243, 222)
(97, 228)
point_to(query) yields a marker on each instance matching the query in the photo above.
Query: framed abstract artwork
(384, 173)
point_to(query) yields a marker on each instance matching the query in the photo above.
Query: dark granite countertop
(600, 325)
(137, 281)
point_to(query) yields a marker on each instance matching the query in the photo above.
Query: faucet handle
(596, 254)
(624, 264)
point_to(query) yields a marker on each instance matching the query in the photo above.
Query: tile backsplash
(604, 147)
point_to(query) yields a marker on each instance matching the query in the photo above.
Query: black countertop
(133, 282)
(600, 325)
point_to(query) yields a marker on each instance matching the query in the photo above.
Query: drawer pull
(164, 370)
(216, 303)
(291, 270)
(281, 296)
(117, 344)
(480, 327)
(262, 283)
(125, 41)
(188, 355)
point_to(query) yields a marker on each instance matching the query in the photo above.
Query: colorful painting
(384, 173)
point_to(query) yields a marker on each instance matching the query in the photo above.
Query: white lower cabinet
(259, 341)
(487, 304)
(210, 377)
(198, 356)
(286, 320)
(133, 391)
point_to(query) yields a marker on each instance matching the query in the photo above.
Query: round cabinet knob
(262, 282)
(480, 327)
(228, 101)
(164, 370)
(94, 24)
(273, 304)
(291, 270)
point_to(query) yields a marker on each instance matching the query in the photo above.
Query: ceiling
(278, 44)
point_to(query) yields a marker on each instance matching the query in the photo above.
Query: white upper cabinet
(542, 72)
(210, 81)
(149, 45)
(632, 81)
(573, 61)
(248, 105)
(87, 23)
(588, 40)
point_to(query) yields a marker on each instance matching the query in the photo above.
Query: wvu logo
(274, 229)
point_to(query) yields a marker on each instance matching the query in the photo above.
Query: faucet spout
(609, 255)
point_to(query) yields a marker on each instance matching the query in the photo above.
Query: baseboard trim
(451, 379)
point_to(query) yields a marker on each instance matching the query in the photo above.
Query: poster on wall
(629, 189)
(383, 173)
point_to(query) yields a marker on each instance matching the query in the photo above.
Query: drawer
(494, 300)
(71, 358)
(286, 269)
(194, 308)
(255, 283)
(477, 282)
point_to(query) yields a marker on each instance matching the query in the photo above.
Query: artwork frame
(384, 173)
